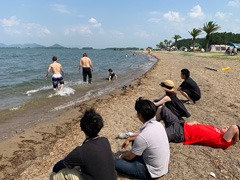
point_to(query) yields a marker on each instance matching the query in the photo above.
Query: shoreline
(31, 155)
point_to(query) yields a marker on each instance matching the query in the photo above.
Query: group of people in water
(85, 64)
(149, 155)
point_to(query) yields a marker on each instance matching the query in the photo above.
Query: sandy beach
(32, 154)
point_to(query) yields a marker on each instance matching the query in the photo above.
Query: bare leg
(61, 86)
(186, 96)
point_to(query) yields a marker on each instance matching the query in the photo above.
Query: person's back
(177, 107)
(94, 158)
(56, 67)
(85, 62)
(155, 141)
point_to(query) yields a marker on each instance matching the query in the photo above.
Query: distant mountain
(34, 45)
(56, 46)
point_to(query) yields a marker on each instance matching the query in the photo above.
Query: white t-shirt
(152, 143)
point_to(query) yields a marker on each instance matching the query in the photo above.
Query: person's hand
(92, 70)
(125, 144)
(46, 77)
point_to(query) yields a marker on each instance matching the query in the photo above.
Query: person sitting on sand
(171, 101)
(195, 133)
(111, 75)
(94, 157)
(149, 155)
(56, 77)
(189, 88)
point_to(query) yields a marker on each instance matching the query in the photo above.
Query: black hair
(171, 94)
(91, 123)
(146, 108)
(185, 72)
(110, 70)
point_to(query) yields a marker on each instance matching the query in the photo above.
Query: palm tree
(161, 44)
(176, 37)
(209, 28)
(195, 32)
(169, 42)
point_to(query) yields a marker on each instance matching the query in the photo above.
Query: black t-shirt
(112, 75)
(95, 159)
(177, 107)
(191, 88)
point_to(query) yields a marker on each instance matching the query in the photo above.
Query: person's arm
(91, 65)
(109, 77)
(58, 166)
(128, 156)
(127, 141)
(115, 76)
(163, 100)
(49, 69)
(232, 134)
(62, 70)
(80, 65)
(179, 88)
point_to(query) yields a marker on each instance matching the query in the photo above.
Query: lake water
(26, 97)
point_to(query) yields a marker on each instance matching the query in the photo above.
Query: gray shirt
(152, 143)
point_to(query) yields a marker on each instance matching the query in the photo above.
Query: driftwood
(211, 69)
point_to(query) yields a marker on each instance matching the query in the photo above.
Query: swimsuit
(87, 72)
(57, 78)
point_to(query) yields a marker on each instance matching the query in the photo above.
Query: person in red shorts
(195, 133)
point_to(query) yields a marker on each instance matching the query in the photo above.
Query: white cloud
(92, 20)
(61, 8)
(141, 34)
(32, 29)
(233, 3)
(172, 16)
(81, 29)
(155, 20)
(223, 16)
(12, 21)
(196, 12)
(98, 25)
(12, 31)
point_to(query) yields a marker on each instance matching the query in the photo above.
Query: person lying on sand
(149, 155)
(194, 132)
(189, 88)
(94, 157)
(171, 101)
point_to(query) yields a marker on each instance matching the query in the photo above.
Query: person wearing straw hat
(195, 133)
(171, 100)
(189, 88)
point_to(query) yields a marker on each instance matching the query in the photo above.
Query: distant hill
(33, 45)
(56, 46)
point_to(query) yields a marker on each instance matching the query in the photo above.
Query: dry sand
(31, 154)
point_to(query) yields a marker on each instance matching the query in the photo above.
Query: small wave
(87, 96)
(29, 93)
(15, 108)
(66, 91)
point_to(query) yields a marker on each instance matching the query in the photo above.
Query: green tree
(165, 42)
(194, 33)
(209, 28)
(176, 37)
(169, 42)
(161, 45)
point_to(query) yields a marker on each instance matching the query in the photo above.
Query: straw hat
(168, 86)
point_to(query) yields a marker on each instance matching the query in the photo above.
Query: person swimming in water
(111, 75)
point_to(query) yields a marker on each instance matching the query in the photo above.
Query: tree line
(212, 38)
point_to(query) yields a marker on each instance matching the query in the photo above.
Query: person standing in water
(56, 77)
(85, 63)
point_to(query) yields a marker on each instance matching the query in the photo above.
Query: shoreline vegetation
(32, 153)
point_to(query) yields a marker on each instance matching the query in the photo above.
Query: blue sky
(109, 23)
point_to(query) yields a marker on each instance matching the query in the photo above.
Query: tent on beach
(234, 45)
(218, 48)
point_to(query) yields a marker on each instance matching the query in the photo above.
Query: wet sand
(32, 153)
